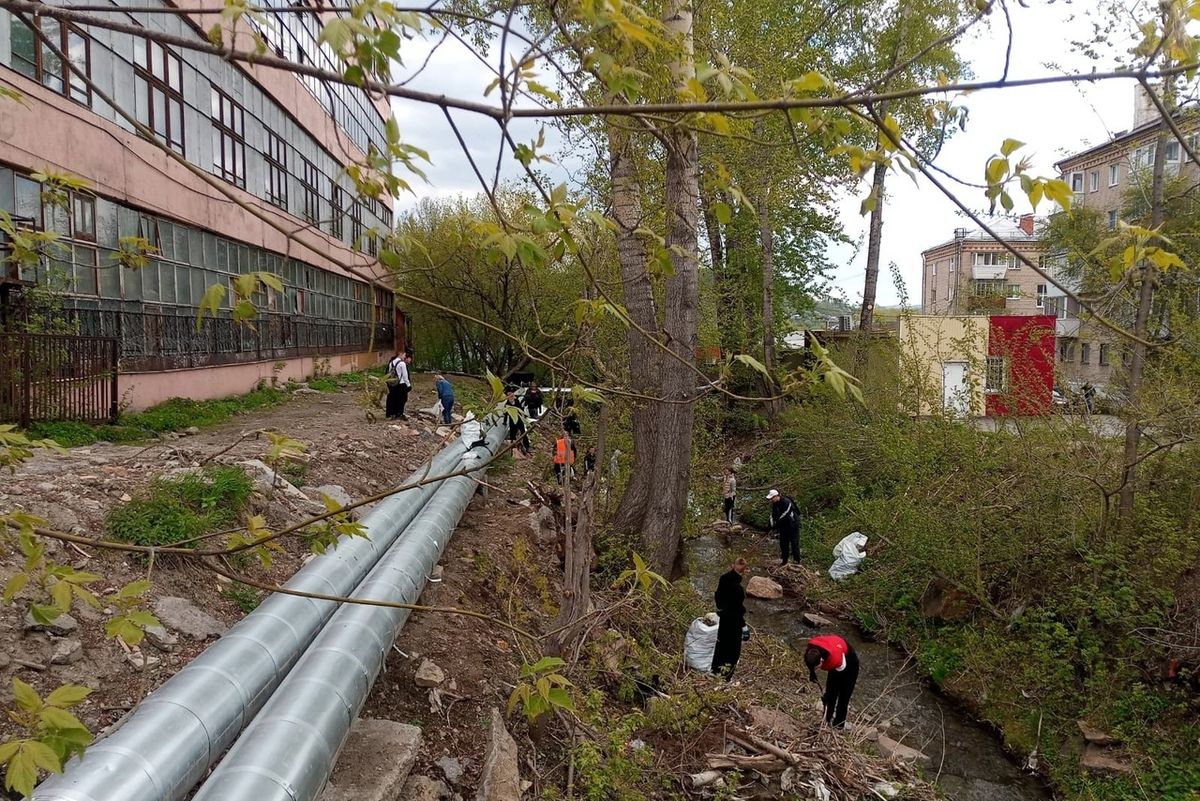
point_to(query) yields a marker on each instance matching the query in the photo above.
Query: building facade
(972, 273)
(275, 146)
(974, 365)
(1100, 178)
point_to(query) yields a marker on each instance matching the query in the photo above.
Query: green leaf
(25, 696)
(723, 213)
(1010, 146)
(57, 718)
(14, 586)
(68, 695)
(753, 363)
(134, 589)
(560, 698)
(214, 296)
(496, 385)
(547, 663)
(22, 772)
(43, 756)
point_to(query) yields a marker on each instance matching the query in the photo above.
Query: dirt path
(76, 489)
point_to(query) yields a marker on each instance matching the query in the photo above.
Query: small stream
(967, 757)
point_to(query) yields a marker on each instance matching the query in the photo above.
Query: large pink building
(274, 142)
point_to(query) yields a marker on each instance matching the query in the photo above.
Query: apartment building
(1100, 177)
(972, 273)
(273, 142)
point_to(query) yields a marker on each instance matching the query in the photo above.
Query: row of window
(296, 37)
(187, 261)
(159, 105)
(1141, 158)
(1067, 349)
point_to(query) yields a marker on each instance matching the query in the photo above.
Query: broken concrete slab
(61, 626)
(429, 674)
(817, 621)
(1105, 761)
(898, 751)
(374, 763)
(1095, 735)
(181, 615)
(763, 587)
(66, 652)
(451, 768)
(501, 776)
(335, 493)
(162, 639)
(423, 788)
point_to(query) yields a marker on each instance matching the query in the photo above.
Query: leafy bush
(1050, 592)
(181, 508)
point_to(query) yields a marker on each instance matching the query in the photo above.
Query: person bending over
(730, 600)
(831, 653)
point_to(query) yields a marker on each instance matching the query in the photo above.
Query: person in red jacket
(832, 653)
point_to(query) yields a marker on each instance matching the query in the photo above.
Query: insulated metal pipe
(288, 752)
(179, 730)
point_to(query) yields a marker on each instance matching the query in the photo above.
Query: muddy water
(967, 758)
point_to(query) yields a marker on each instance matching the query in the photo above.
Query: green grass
(176, 509)
(244, 598)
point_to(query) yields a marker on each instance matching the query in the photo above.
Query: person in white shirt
(399, 385)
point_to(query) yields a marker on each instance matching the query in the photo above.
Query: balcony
(985, 304)
(989, 272)
(1067, 326)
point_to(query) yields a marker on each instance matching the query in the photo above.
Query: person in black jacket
(785, 521)
(730, 599)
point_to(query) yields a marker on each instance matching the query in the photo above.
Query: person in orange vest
(832, 653)
(564, 454)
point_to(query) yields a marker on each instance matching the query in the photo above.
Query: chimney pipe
(1026, 224)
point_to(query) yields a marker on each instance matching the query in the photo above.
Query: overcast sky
(1053, 121)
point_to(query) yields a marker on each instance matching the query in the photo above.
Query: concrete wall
(142, 390)
(926, 342)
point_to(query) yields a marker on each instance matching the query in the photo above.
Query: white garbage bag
(471, 433)
(701, 642)
(847, 555)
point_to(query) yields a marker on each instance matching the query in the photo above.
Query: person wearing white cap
(785, 521)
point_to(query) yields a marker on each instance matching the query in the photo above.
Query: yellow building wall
(927, 342)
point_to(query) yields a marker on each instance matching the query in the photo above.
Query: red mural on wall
(1020, 364)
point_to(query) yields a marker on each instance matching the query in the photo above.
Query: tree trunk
(577, 570)
(639, 302)
(663, 527)
(874, 239)
(1141, 327)
(767, 239)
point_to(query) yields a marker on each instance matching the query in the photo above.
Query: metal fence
(57, 377)
(151, 341)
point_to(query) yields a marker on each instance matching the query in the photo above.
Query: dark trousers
(838, 689)
(729, 510)
(729, 648)
(447, 410)
(397, 398)
(789, 540)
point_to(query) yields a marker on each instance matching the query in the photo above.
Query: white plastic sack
(700, 643)
(847, 555)
(471, 433)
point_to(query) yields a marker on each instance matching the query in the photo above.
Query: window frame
(1074, 176)
(1042, 291)
(1085, 353)
(1112, 219)
(1105, 357)
(1114, 174)
(36, 69)
(1094, 181)
(311, 205)
(233, 129)
(147, 79)
(1014, 296)
(337, 212)
(995, 374)
(276, 156)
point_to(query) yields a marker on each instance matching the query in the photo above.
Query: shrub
(176, 509)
